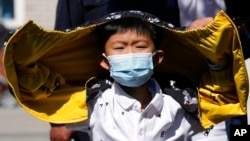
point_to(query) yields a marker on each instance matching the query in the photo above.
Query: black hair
(122, 25)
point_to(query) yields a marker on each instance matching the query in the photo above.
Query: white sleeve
(79, 126)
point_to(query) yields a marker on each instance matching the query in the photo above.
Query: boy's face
(129, 42)
(130, 57)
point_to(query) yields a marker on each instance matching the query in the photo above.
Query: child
(134, 108)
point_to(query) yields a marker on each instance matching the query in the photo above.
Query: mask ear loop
(154, 53)
(103, 54)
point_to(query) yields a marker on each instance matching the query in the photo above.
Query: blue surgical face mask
(131, 70)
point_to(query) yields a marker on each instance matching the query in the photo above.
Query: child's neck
(141, 94)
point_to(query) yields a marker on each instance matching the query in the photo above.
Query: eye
(141, 46)
(118, 48)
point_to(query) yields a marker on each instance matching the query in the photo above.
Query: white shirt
(116, 116)
(218, 133)
(247, 61)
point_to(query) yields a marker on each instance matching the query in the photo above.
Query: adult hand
(201, 22)
(218, 52)
(60, 133)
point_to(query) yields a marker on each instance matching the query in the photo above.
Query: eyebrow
(133, 42)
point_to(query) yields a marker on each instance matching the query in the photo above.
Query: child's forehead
(130, 35)
(133, 31)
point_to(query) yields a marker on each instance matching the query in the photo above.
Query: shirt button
(140, 133)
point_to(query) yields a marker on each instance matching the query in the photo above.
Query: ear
(157, 59)
(103, 62)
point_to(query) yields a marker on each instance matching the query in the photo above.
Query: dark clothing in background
(166, 10)
(3, 35)
(72, 13)
(238, 10)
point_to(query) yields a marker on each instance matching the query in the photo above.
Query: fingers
(201, 22)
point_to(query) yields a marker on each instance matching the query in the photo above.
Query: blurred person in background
(72, 13)
(6, 98)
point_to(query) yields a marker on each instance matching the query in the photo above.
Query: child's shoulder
(97, 85)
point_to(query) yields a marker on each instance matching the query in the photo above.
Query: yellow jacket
(47, 69)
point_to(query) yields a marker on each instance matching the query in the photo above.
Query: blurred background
(15, 123)
(14, 13)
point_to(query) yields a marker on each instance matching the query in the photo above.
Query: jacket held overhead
(47, 69)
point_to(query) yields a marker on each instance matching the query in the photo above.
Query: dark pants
(81, 136)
